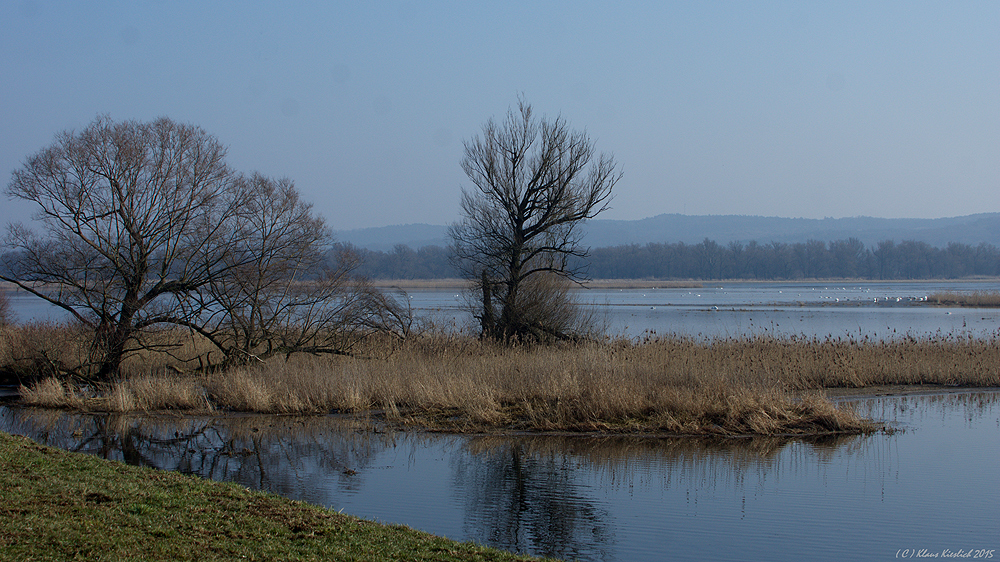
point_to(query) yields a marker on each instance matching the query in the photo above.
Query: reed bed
(675, 385)
(976, 299)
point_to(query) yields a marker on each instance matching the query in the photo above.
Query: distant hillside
(385, 238)
(691, 229)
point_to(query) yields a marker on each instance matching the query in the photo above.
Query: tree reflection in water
(536, 494)
(572, 497)
(280, 454)
(526, 500)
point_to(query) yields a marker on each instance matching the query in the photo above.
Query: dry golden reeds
(51, 392)
(980, 299)
(156, 392)
(42, 348)
(754, 385)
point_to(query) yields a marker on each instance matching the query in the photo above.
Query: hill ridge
(672, 227)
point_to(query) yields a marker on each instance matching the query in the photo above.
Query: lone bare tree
(535, 181)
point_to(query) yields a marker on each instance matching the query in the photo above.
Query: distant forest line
(708, 259)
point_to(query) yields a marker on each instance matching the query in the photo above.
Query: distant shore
(435, 284)
(454, 283)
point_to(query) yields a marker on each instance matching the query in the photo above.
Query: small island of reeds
(665, 385)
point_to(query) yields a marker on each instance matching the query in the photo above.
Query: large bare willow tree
(133, 214)
(535, 182)
(144, 226)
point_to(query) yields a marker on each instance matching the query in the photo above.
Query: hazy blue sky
(796, 109)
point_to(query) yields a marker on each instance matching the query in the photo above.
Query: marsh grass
(51, 392)
(755, 385)
(156, 392)
(41, 348)
(977, 299)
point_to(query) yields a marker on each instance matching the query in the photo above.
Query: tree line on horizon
(850, 258)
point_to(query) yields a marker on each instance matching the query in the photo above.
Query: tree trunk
(487, 320)
(112, 349)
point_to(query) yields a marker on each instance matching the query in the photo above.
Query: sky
(791, 109)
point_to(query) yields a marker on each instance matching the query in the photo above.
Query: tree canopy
(534, 182)
(143, 224)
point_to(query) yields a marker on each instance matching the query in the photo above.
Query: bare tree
(133, 214)
(283, 292)
(144, 225)
(535, 181)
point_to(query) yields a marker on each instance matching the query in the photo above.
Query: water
(878, 310)
(931, 486)
(27, 307)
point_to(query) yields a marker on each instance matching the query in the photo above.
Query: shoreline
(64, 505)
(457, 283)
(841, 394)
(836, 396)
(454, 282)
(461, 384)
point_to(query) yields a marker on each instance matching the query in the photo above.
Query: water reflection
(599, 498)
(526, 498)
(919, 409)
(564, 496)
(278, 454)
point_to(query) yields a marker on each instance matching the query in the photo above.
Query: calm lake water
(874, 309)
(931, 487)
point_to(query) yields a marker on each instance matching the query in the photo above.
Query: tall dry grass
(39, 349)
(51, 392)
(980, 299)
(757, 385)
(155, 392)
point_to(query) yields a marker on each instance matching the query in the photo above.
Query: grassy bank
(66, 506)
(759, 385)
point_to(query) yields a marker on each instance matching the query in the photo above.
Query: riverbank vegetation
(755, 385)
(69, 506)
(980, 299)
